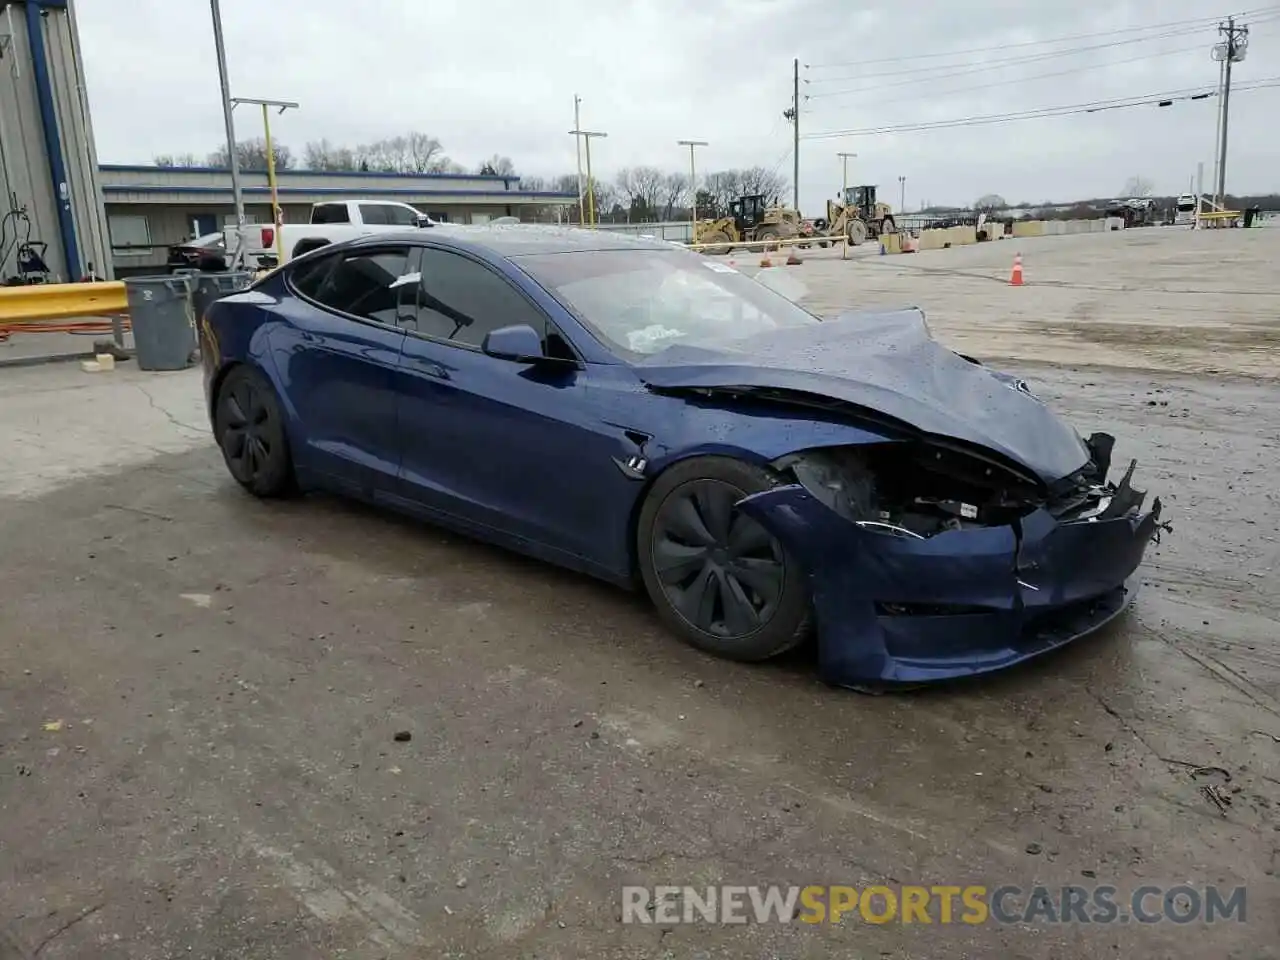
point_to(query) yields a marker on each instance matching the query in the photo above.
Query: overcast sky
(499, 76)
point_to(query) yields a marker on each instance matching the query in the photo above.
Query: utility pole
(586, 136)
(795, 134)
(277, 217)
(1217, 134)
(577, 144)
(844, 201)
(1232, 51)
(902, 194)
(693, 188)
(232, 160)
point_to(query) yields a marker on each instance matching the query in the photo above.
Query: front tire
(718, 579)
(249, 428)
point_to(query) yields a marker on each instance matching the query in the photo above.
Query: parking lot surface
(200, 694)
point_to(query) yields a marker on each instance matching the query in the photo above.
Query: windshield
(641, 301)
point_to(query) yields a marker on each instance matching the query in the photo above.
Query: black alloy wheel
(250, 432)
(716, 575)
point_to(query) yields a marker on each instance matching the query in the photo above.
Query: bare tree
(498, 166)
(533, 184)
(721, 188)
(177, 160)
(445, 165)
(252, 155)
(770, 183)
(322, 155)
(1137, 187)
(675, 188)
(642, 187)
(412, 152)
(989, 203)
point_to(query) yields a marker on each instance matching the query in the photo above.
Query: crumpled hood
(889, 363)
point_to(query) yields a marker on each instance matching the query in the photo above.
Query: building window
(439, 216)
(130, 234)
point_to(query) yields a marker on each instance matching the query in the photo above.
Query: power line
(1098, 106)
(1202, 21)
(1036, 76)
(958, 70)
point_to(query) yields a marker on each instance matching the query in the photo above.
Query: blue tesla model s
(653, 417)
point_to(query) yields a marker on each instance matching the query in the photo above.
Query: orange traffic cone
(765, 261)
(1015, 278)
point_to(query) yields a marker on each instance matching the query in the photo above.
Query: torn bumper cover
(894, 608)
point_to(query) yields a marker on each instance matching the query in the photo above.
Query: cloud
(499, 77)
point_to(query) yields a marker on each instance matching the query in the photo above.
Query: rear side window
(330, 213)
(362, 284)
(373, 213)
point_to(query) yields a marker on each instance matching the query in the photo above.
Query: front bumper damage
(893, 609)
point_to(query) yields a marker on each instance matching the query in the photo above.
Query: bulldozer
(857, 217)
(750, 220)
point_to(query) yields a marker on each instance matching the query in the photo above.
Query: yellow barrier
(762, 244)
(56, 301)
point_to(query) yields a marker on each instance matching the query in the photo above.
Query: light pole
(586, 136)
(902, 195)
(237, 198)
(844, 200)
(693, 188)
(577, 146)
(282, 106)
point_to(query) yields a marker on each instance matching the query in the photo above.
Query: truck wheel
(856, 233)
(888, 225)
(768, 237)
(719, 237)
(306, 246)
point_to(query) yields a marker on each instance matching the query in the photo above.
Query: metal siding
(24, 149)
(25, 173)
(116, 177)
(76, 135)
(99, 240)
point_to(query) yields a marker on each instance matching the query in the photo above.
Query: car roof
(516, 240)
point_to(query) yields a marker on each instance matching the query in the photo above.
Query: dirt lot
(199, 693)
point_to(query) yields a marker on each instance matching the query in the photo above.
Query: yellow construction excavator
(857, 216)
(749, 220)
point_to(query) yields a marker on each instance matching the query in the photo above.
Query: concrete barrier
(1028, 228)
(892, 242)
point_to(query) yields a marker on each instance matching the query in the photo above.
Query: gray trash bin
(163, 321)
(215, 286)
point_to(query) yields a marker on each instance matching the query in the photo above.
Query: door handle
(434, 370)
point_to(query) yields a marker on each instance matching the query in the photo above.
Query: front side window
(462, 300)
(401, 216)
(365, 283)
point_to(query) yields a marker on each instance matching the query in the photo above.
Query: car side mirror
(424, 221)
(519, 342)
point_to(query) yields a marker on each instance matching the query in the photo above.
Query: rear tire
(856, 232)
(249, 428)
(718, 579)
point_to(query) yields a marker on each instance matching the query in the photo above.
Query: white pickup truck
(331, 222)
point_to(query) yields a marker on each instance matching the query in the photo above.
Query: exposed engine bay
(922, 488)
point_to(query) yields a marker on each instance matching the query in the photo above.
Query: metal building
(48, 164)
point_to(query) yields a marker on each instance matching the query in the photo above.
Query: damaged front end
(929, 560)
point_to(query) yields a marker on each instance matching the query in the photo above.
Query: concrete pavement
(200, 696)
